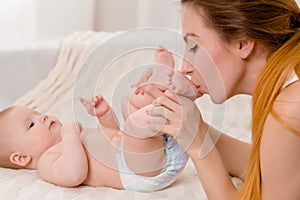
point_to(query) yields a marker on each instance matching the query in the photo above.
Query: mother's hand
(184, 120)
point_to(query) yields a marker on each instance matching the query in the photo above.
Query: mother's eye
(194, 48)
(31, 125)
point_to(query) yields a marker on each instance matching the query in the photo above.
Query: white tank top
(293, 77)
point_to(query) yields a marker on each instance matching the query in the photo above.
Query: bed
(44, 76)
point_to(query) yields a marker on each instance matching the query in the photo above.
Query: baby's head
(24, 135)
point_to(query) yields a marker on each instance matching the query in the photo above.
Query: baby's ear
(20, 159)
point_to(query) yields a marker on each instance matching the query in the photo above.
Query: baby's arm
(102, 110)
(65, 163)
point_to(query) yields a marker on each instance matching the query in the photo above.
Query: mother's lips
(199, 90)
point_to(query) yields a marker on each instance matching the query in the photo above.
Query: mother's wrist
(197, 143)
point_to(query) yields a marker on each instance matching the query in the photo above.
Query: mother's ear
(20, 159)
(245, 48)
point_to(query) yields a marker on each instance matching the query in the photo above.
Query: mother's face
(211, 63)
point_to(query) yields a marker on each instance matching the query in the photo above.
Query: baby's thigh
(144, 156)
(143, 153)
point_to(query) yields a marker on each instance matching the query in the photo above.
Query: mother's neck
(253, 67)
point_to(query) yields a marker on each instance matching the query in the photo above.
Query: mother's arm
(229, 156)
(280, 147)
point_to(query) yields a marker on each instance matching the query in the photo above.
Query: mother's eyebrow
(185, 38)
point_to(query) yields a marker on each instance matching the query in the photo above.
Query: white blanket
(54, 96)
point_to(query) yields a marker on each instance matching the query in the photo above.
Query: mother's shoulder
(287, 105)
(290, 93)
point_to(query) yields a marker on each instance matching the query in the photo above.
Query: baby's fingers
(84, 102)
(90, 106)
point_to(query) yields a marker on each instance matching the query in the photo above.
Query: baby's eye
(31, 125)
(194, 48)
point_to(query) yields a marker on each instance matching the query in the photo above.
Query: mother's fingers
(171, 95)
(168, 103)
(169, 129)
(164, 112)
(153, 90)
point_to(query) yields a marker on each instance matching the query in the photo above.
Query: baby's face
(31, 132)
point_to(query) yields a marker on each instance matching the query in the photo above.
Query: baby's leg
(146, 156)
(144, 149)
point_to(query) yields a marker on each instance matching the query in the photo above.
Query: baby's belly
(104, 173)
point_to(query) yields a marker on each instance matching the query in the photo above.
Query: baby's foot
(163, 71)
(173, 80)
(183, 86)
(164, 57)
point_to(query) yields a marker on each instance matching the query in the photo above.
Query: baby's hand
(71, 128)
(96, 107)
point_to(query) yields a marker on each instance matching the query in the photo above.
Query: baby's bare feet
(164, 57)
(162, 72)
(183, 86)
(175, 81)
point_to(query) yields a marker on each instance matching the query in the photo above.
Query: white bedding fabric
(54, 96)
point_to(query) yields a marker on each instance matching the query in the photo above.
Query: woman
(255, 47)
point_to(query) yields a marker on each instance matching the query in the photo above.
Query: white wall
(61, 17)
(113, 15)
(28, 20)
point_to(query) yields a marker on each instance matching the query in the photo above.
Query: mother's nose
(186, 67)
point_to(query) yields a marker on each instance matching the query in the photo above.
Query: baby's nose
(43, 118)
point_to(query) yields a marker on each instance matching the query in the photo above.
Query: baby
(70, 155)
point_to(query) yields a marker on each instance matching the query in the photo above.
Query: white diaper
(176, 161)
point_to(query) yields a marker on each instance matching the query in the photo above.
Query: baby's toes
(164, 57)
